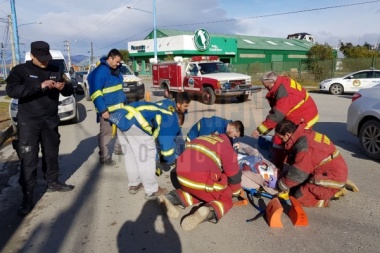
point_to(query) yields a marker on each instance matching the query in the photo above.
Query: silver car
(363, 119)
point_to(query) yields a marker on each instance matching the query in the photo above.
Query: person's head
(182, 102)
(40, 54)
(269, 79)
(285, 129)
(235, 129)
(114, 58)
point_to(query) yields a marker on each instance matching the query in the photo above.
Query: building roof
(245, 41)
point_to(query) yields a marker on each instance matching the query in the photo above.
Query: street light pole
(13, 42)
(154, 27)
(15, 31)
(3, 62)
(155, 32)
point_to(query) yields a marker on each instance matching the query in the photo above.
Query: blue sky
(109, 24)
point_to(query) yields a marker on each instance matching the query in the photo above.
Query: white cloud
(111, 24)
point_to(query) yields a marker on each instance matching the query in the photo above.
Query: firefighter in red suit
(317, 171)
(208, 173)
(288, 100)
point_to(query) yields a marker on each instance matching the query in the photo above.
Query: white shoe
(193, 220)
(170, 209)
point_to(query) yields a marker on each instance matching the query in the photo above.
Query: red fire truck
(203, 75)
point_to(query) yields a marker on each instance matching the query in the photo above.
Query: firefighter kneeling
(208, 173)
(317, 172)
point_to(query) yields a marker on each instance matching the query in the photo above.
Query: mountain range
(79, 60)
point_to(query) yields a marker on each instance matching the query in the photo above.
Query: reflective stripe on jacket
(153, 120)
(106, 87)
(313, 158)
(288, 99)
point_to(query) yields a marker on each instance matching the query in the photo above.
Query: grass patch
(4, 111)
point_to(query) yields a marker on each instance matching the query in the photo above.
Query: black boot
(27, 202)
(59, 187)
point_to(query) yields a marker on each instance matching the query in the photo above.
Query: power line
(254, 17)
(123, 40)
(83, 34)
(276, 14)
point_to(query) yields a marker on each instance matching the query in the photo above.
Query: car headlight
(326, 81)
(67, 101)
(139, 83)
(225, 86)
(249, 81)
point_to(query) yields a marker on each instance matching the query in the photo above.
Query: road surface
(100, 216)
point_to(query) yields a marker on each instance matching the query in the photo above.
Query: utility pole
(92, 54)
(3, 61)
(15, 32)
(67, 48)
(14, 62)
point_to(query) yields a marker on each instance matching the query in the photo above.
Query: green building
(232, 49)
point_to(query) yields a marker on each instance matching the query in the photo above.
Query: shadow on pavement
(338, 134)
(143, 235)
(68, 164)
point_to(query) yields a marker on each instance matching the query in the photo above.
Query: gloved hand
(158, 171)
(161, 167)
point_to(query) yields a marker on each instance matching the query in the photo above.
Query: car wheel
(208, 96)
(167, 93)
(336, 89)
(242, 98)
(369, 137)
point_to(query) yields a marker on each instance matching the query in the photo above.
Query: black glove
(161, 167)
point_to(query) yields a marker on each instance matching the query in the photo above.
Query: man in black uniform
(37, 85)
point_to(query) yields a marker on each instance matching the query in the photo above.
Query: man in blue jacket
(179, 105)
(140, 126)
(106, 90)
(215, 124)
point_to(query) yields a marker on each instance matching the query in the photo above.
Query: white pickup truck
(133, 86)
(85, 82)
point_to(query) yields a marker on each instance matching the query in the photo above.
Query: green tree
(365, 51)
(358, 57)
(125, 54)
(169, 57)
(319, 60)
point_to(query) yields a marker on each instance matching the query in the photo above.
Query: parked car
(351, 82)
(363, 119)
(78, 77)
(133, 86)
(67, 110)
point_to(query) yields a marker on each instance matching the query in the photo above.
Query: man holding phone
(37, 85)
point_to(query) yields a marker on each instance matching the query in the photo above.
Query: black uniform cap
(40, 50)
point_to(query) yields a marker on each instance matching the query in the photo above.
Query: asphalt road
(100, 216)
